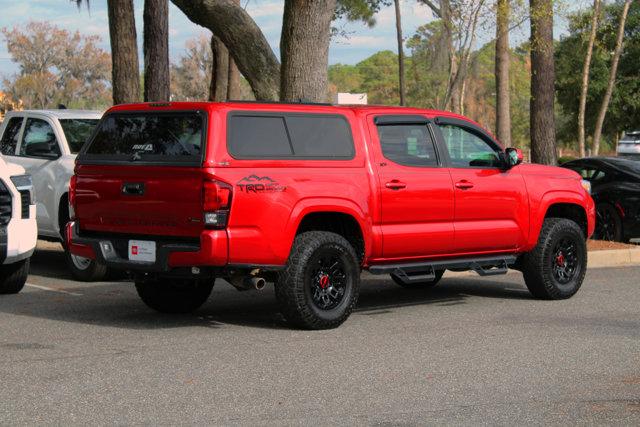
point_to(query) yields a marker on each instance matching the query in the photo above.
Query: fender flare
(548, 199)
(311, 205)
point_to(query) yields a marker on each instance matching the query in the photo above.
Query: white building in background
(350, 98)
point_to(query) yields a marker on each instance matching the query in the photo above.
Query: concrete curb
(614, 258)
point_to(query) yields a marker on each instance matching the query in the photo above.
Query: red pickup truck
(307, 196)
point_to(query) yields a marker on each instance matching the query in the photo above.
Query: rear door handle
(464, 184)
(395, 185)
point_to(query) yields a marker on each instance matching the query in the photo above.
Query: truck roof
(61, 114)
(263, 105)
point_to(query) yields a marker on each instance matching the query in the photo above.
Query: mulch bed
(602, 245)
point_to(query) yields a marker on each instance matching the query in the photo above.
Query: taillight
(72, 197)
(216, 203)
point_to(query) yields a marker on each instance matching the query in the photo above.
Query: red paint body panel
(428, 218)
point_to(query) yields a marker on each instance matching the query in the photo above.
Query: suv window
(10, 136)
(77, 132)
(287, 136)
(591, 174)
(39, 139)
(466, 149)
(175, 137)
(407, 144)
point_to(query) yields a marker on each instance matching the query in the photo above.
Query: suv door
(415, 188)
(491, 203)
(38, 148)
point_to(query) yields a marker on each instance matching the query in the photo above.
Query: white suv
(45, 143)
(18, 231)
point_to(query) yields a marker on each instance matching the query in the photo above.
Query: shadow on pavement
(49, 261)
(117, 304)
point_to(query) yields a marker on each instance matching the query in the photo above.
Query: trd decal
(259, 184)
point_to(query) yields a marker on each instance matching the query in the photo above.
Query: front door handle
(464, 184)
(395, 185)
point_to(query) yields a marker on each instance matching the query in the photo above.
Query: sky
(360, 43)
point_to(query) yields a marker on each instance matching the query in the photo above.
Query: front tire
(319, 287)
(85, 269)
(608, 224)
(13, 277)
(556, 267)
(174, 295)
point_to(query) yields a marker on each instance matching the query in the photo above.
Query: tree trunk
(503, 101)
(244, 39)
(156, 50)
(304, 49)
(542, 120)
(461, 76)
(124, 52)
(612, 79)
(233, 80)
(218, 90)
(585, 77)
(400, 52)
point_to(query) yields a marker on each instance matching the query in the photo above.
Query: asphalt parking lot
(471, 351)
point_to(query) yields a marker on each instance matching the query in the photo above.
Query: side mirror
(514, 156)
(42, 150)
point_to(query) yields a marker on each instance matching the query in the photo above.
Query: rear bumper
(210, 250)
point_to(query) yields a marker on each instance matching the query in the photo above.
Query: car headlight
(24, 183)
(586, 185)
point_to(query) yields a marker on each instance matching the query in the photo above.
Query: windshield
(148, 137)
(633, 137)
(77, 132)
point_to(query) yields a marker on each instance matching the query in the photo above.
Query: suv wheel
(13, 277)
(85, 269)
(318, 289)
(555, 268)
(608, 224)
(174, 295)
(419, 285)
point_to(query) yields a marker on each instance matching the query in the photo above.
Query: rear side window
(289, 136)
(10, 136)
(408, 144)
(148, 137)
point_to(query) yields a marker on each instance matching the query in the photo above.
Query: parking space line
(44, 288)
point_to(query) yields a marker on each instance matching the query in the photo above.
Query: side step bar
(426, 271)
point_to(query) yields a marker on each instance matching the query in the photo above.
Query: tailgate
(139, 200)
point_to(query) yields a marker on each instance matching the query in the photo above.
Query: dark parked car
(615, 187)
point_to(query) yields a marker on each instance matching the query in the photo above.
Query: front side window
(407, 144)
(77, 132)
(39, 140)
(466, 149)
(10, 136)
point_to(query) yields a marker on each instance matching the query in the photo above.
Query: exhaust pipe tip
(258, 283)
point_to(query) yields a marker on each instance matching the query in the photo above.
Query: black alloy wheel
(327, 279)
(608, 224)
(565, 260)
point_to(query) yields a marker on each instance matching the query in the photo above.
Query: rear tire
(419, 285)
(82, 269)
(13, 277)
(85, 269)
(318, 289)
(174, 296)
(556, 267)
